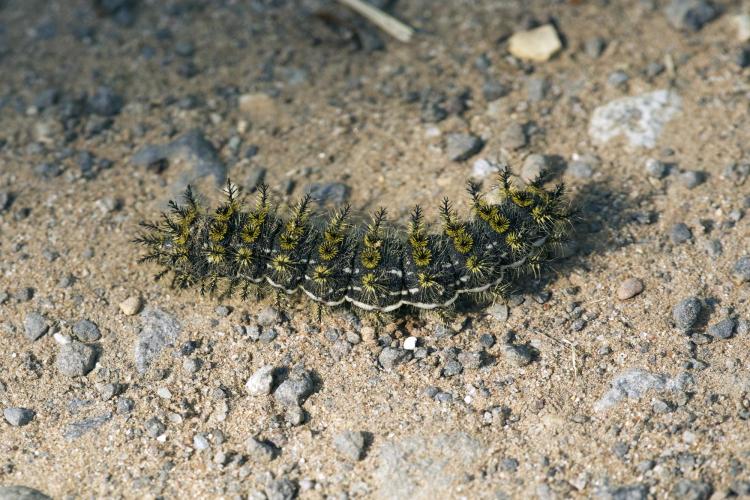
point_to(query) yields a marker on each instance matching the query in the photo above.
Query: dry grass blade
(389, 24)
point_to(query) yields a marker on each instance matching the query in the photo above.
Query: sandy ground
(83, 91)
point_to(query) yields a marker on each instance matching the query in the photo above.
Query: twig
(389, 24)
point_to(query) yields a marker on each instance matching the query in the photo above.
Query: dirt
(332, 110)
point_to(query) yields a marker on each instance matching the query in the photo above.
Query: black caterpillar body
(375, 268)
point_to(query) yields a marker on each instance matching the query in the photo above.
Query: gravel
(86, 331)
(155, 427)
(282, 489)
(260, 450)
(261, 382)
(533, 167)
(269, 316)
(686, 313)
(21, 493)
(35, 325)
(390, 357)
(78, 429)
(680, 233)
(686, 489)
(692, 178)
(629, 288)
(18, 417)
(76, 359)
(513, 137)
(131, 305)
(690, 15)
(741, 269)
(350, 444)
(655, 168)
(518, 355)
(452, 368)
(295, 389)
(159, 330)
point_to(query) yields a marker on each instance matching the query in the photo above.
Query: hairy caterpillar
(375, 267)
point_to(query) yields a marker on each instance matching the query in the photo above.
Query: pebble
(200, 441)
(493, 90)
(281, 489)
(536, 89)
(519, 355)
(513, 137)
(390, 357)
(86, 331)
(687, 489)
(35, 325)
(410, 343)
(105, 102)
(350, 444)
(538, 44)
(724, 329)
(636, 382)
(487, 340)
(260, 383)
(18, 417)
(155, 427)
(460, 147)
(534, 166)
(618, 78)
(268, 335)
(191, 365)
(594, 47)
(295, 389)
(125, 405)
(76, 359)
(580, 169)
(690, 15)
(269, 316)
(680, 233)
(741, 269)
(75, 430)
(14, 492)
(452, 368)
(692, 178)
(471, 360)
(483, 168)
(159, 329)
(655, 168)
(629, 288)
(335, 193)
(260, 450)
(686, 313)
(639, 118)
(222, 311)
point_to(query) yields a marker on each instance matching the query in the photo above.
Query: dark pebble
(680, 233)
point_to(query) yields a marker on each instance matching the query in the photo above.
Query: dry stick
(389, 24)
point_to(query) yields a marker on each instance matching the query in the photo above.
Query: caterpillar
(375, 266)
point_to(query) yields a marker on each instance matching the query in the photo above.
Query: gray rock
(282, 489)
(351, 444)
(86, 331)
(269, 316)
(295, 389)
(460, 147)
(200, 442)
(335, 193)
(493, 90)
(513, 137)
(594, 47)
(630, 492)
(159, 330)
(471, 359)
(519, 355)
(686, 489)
(534, 166)
(78, 429)
(692, 178)
(661, 406)
(690, 15)
(686, 313)
(261, 382)
(21, 493)
(76, 359)
(618, 78)
(35, 325)
(680, 233)
(580, 169)
(635, 383)
(260, 450)
(741, 269)
(639, 118)
(295, 415)
(724, 329)
(155, 427)
(105, 102)
(452, 368)
(390, 357)
(194, 148)
(424, 465)
(536, 89)
(18, 417)
(125, 405)
(655, 168)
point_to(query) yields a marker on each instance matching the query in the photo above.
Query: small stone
(742, 57)
(351, 444)
(618, 78)
(655, 168)
(630, 492)
(471, 360)
(629, 288)
(538, 44)
(498, 312)
(452, 368)
(76, 359)
(519, 355)
(125, 405)
(131, 305)
(661, 406)
(334, 193)
(741, 269)
(487, 340)
(410, 343)
(281, 489)
(268, 335)
(108, 391)
(742, 23)
(686, 313)
(460, 147)
(295, 415)
(222, 311)
(692, 178)
(105, 102)
(686, 489)
(269, 316)
(86, 331)
(164, 393)
(680, 233)
(160, 329)
(77, 429)
(391, 357)
(513, 137)
(536, 89)
(260, 450)
(690, 15)
(21, 493)
(483, 168)
(155, 427)
(295, 389)
(24, 294)
(724, 329)
(580, 169)
(35, 325)
(261, 382)
(200, 442)
(18, 417)
(493, 90)
(594, 47)
(191, 365)
(534, 166)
